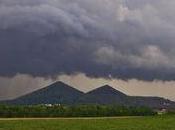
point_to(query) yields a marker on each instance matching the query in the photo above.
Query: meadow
(123, 123)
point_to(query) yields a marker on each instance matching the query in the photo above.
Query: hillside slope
(56, 93)
(61, 93)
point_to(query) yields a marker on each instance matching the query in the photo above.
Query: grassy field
(127, 123)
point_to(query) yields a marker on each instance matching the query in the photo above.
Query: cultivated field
(124, 123)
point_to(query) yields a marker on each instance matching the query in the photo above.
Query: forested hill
(61, 93)
(56, 93)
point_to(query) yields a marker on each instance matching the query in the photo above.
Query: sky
(128, 44)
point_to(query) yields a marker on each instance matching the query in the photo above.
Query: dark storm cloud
(101, 38)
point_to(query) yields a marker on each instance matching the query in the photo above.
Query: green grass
(133, 123)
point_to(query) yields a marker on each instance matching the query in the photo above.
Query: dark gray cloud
(101, 38)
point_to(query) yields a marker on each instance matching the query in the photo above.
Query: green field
(126, 123)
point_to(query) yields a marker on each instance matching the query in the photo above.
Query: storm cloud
(123, 39)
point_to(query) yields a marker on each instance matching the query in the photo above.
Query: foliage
(73, 111)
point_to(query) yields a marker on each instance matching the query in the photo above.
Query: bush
(73, 111)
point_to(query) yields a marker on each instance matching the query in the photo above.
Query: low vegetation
(73, 111)
(125, 123)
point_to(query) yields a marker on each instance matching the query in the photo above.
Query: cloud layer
(101, 38)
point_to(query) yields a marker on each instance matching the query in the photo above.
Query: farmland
(118, 123)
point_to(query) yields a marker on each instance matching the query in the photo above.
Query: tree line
(73, 111)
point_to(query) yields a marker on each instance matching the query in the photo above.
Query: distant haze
(22, 84)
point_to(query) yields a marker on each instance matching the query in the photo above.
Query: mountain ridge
(61, 93)
(56, 93)
(103, 95)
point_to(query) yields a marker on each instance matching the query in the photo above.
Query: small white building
(162, 111)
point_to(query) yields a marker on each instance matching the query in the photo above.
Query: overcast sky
(122, 40)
